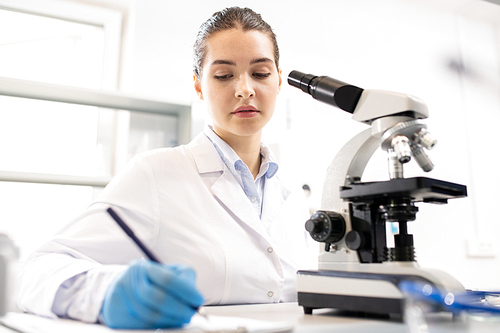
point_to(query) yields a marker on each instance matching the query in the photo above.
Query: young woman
(215, 207)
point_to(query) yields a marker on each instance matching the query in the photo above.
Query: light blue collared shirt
(254, 188)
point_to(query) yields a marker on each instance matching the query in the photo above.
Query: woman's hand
(151, 295)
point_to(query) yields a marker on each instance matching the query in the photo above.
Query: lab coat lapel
(205, 156)
(275, 195)
(226, 188)
(229, 192)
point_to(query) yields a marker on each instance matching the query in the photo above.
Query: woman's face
(239, 82)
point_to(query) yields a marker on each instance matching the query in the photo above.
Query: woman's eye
(261, 75)
(223, 77)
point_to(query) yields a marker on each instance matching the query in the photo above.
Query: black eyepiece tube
(326, 89)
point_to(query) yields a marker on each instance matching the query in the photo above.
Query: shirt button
(270, 249)
(253, 199)
(270, 294)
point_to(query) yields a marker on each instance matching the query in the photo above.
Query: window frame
(110, 20)
(106, 97)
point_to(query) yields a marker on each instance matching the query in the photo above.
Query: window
(64, 129)
(65, 44)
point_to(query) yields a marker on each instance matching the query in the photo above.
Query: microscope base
(362, 291)
(375, 305)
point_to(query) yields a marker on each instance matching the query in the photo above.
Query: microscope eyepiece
(327, 90)
(300, 80)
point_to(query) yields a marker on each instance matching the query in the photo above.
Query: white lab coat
(187, 208)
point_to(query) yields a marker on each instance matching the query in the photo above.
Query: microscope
(356, 270)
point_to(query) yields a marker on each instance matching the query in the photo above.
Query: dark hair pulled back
(226, 19)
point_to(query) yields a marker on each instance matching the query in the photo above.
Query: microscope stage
(418, 189)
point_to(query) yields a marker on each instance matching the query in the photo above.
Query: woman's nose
(244, 88)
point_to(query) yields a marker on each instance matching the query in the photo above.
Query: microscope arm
(350, 161)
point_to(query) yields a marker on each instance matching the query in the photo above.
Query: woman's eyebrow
(232, 63)
(259, 60)
(222, 62)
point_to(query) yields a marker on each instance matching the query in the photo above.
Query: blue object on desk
(150, 294)
(472, 301)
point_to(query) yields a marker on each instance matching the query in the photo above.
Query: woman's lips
(246, 111)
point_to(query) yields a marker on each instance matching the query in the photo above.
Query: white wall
(405, 46)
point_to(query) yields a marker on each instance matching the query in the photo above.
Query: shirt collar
(268, 166)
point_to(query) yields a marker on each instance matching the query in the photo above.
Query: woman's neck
(246, 147)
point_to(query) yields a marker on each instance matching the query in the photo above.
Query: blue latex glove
(151, 295)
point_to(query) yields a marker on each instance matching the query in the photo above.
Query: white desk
(325, 320)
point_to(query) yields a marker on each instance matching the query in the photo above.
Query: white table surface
(325, 320)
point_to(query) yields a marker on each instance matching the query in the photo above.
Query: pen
(137, 241)
(131, 234)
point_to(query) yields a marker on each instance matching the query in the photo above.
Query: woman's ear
(197, 86)
(280, 72)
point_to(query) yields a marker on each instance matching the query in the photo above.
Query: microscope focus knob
(354, 240)
(325, 226)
